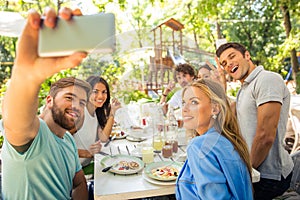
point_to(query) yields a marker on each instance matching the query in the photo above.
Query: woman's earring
(214, 116)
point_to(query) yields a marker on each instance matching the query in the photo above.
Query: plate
(156, 182)
(119, 134)
(135, 139)
(162, 165)
(121, 164)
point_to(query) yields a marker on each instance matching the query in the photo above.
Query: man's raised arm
(20, 102)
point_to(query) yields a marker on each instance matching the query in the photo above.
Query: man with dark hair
(185, 74)
(39, 156)
(262, 107)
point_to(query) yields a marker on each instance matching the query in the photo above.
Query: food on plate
(118, 134)
(128, 165)
(165, 172)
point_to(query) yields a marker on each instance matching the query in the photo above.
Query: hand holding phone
(89, 33)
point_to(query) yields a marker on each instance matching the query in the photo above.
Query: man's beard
(60, 119)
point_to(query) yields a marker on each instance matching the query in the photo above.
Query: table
(113, 186)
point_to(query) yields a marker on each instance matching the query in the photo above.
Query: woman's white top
(87, 135)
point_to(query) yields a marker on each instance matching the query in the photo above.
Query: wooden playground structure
(167, 54)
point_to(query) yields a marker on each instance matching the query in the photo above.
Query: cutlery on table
(160, 157)
(119, 150)
(106, 169)
(103, 153)
(180, 147)
(127, 150)
(109, 140)
(110, 151)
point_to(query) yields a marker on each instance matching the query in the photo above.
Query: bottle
(158, 128)
(171, 136)
(172, 122)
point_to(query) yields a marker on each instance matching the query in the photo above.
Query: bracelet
(165, 95)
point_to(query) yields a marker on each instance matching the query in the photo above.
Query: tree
(286, 7)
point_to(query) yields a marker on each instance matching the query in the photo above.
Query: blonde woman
(218, 163)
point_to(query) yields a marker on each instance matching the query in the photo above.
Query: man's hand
(29, 72)
(27, 62)
(170, 87)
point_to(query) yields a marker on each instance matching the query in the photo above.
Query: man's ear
(247, 56)
(49, 101)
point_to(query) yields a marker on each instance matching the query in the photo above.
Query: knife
(103, 153)
(109, 140)
(109, 167)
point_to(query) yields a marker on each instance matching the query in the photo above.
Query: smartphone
(89, 33)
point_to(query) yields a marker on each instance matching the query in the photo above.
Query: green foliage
(1, 140)
(232, 91)
(256, 24)
(7, 54)
(134, 95)
(268, 35)
(109, 69)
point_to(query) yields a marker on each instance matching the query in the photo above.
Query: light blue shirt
(45, 171)
(213, 170)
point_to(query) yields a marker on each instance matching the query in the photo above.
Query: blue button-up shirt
(213, 170)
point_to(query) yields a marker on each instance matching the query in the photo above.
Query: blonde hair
(225, 123)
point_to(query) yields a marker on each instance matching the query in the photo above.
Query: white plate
(156, 182)
(135, 139)
(148, 170)
(115, 160)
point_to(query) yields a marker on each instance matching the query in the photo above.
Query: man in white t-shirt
(185, 74)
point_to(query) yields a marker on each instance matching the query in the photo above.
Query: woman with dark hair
(98, 120)
(218, 162)
(212, 72)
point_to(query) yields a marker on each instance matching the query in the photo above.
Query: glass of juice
(157, 143)
(147, 154)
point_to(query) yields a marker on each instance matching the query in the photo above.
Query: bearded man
(39, 156)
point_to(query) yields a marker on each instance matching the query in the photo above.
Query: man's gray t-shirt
(260, 87)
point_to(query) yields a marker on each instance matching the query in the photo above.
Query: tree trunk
(294, 60)
(219, 30)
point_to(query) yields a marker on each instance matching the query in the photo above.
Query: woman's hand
(95, 148)
(115, 105)
(218, 74)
